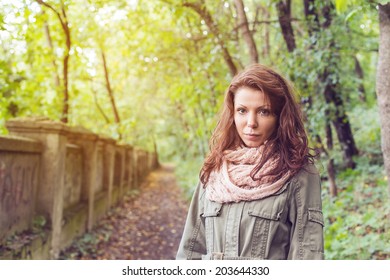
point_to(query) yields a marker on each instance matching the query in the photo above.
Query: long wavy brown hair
(289, 139)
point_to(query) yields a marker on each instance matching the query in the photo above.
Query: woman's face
(253, 117)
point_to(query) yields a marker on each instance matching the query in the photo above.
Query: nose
(252, 121)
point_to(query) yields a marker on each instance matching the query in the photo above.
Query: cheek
(237, 121)
(271, 126)
(274, 126)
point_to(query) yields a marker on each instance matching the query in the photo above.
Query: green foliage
(39, 222)
(357, 223)
(341, 5)
(187, 174)
(357, 220)
(367, 130)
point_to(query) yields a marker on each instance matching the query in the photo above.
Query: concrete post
(88, 142)
(130, 169)
(135, 168)
(109, 161)
(122, 152)
(50, 200)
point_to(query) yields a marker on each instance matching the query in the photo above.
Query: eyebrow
(264, 106)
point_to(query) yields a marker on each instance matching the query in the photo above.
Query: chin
(253, 145)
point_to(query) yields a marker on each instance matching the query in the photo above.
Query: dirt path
(145, 227)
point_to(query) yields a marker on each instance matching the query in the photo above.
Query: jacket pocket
(270, 207)
(315, 225)
(211, 209)
(315, 215)
(210, 213)
(265, 217)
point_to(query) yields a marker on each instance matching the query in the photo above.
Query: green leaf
(350, 15)
(341, 5)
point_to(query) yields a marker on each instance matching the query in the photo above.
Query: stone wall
(57, 181)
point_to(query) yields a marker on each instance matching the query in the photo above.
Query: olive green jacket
(286, 225)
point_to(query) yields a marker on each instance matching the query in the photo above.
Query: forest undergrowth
(357, 220)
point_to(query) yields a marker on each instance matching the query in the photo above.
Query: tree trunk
(202, 11)
(383, 84)
(284, 15)
(111, 94)
(65, 27)
(340, 122)
(57, 80)
(65, 102)
(339, 119)
(267, 44)
(246, 33)
(360, 74)
(311, 16)
(333, 99)
(330, 165)
(313, 26)
(100, 109)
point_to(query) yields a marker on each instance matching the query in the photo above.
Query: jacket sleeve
(193, 241)
(305, 216)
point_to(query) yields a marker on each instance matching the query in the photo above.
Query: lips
(251, 136)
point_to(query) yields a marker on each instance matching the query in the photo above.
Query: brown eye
(264, 112)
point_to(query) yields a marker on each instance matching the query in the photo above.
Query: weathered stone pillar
(88, 142)
(135, 168)
(150, 161)
(155, 163)
(144, 165)
(50, 200)
(118, 174)
(121, 150)
(109, 162)
(128, 168)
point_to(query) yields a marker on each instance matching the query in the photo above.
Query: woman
(259, 195)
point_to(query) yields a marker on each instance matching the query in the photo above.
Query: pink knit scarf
(233, 183)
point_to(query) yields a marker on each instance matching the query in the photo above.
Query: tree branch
(54, 10)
